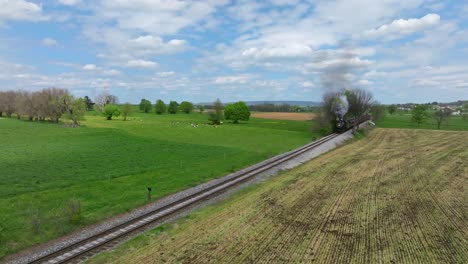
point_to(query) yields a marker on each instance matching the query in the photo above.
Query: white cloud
(290, 51)
(364, 82)
(284, 2)
(307, 84)
(90, 67)
(69, 2)
(158, 17)
(111, 72)
(20, 10)
(49, 42)
(233, 79)
(403, 27)
(148, 45)
(166, 74)
(141, 64)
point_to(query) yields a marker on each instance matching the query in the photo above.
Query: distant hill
(299, 103)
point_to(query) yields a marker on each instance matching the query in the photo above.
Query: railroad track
(83, 249)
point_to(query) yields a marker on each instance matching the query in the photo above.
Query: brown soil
(284, 116)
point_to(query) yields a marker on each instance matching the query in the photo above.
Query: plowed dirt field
(396, 196)
(284, 116)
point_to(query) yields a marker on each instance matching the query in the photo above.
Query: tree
(360, 101)
(54, 103)
(160, 107)
(126, 110)
(392, 109)
(89, 103)
(237, 111)
(49, 103)
(173, 107)
(8, 102)
(465, 112)
(216, 116)
(186, 107)
(441, 115)
(419, 114)
(110, 111)
(145, 106)
(103, 99)
(76, 109)
(2, 104)
(24, 104)
(201, 109)
(377, 112)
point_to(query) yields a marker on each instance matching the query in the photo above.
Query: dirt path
(397, 196)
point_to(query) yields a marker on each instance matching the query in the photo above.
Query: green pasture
(55, 179)
(403, 120)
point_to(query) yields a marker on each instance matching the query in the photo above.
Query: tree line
(236, 112)
(52, 104)
(269, 107)
(47, 104)
(161, 108)
(420, 113)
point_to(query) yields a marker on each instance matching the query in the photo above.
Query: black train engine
(344, 124)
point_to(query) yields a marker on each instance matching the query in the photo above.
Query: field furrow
(397, 196)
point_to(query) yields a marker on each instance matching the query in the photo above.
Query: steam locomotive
(344, 124)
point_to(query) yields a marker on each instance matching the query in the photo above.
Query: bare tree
(2, 106)
(360, 101)
(126, 110)
(217, 115)
(9, 102)
(442, 115)
(100, 101)
(40, 103)
(103, 99)
(23, 102)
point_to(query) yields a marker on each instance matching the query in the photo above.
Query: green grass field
(403, 120)
(105, 166)
(395, 196)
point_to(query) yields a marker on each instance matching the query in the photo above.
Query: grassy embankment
(54, 180)
(397, 196)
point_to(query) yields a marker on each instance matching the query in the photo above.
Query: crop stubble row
(392, 197)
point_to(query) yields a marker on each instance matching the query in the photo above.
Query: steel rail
(79, 248)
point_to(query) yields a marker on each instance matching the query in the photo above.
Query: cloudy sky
(402, 51)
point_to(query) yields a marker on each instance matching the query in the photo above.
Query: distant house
(404, 108)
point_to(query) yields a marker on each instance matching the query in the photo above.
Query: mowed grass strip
(397, 196)
(48, 173)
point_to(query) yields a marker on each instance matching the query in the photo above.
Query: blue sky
(401, 51)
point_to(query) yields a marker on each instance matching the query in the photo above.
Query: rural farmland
(105, 167)
(233, 131)
(396, 196)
